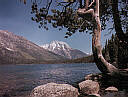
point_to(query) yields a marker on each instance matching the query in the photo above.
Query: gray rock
(54, 90)
(94, 77)
(112, 89)
(89, 87)
(94, 95)
(89, 77)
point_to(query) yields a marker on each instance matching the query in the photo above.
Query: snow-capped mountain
(16, 49)
(63, 49)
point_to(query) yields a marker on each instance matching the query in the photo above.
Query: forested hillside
(88, 59)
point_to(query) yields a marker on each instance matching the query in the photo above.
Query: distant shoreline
(88, 59)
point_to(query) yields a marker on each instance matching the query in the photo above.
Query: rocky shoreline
(94, 85)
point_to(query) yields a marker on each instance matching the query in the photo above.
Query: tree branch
(101, 63)
(83, 11)
(87, 8)
(80, 3)
(86, 4)
(91, 4)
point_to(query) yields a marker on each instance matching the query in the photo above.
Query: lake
(19, 80)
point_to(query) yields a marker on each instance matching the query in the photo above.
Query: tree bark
(117, 21)
(123, 38)
(101, 63)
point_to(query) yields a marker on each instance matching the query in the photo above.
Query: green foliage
(88, 59)
(64, 15)
(117, 51)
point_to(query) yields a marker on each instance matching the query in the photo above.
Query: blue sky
(15, 17)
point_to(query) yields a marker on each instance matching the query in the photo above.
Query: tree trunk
(117, 21)
(101, 63)
(123, 41)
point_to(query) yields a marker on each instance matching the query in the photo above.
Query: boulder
(111, 89)
(54, 90)
(89, 87)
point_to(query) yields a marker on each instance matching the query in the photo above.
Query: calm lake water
(19, 80)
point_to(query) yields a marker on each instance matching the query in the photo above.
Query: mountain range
(63, 49)
(18, 50)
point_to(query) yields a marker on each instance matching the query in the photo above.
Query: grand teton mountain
(63, 49)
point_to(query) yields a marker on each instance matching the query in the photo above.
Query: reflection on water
(19, 80)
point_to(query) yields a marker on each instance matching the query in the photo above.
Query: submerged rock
(94, 95)
(94, 77)
(112, 89)
(89, 87)
(54, 90)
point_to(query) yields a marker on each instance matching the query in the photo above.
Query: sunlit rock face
(111, 89)
(63, 49)
(89, 87)
(54, 90)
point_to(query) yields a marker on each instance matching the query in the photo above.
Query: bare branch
(49, 3)
(86, 4)
(91, 3)
(83, 11)
(80, 1)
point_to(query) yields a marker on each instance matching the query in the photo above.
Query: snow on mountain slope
(63, 49)
(16, 49)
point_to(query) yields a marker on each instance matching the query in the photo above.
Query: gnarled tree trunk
(101, 63)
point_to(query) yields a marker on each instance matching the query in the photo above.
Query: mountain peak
(4, 31)
(63, 49)
(61, 43)
(57, 45)
(15, 49)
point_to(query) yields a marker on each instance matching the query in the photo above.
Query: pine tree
(116, 52)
